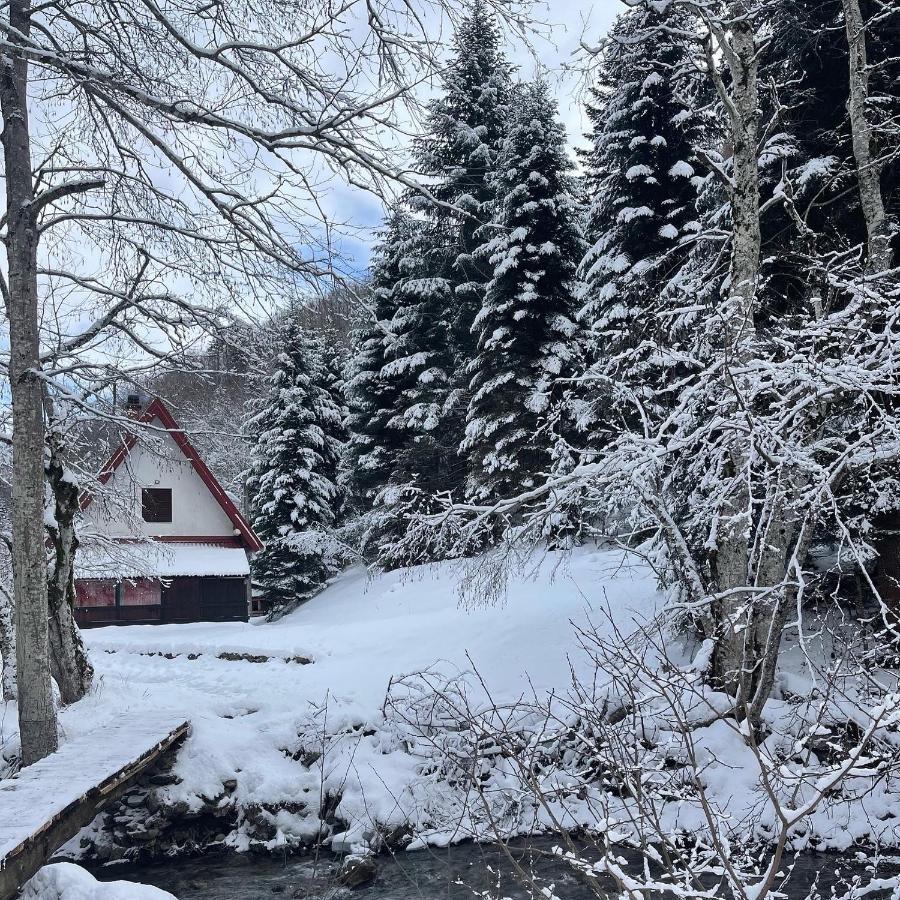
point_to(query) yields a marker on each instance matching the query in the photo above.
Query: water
(456, 873)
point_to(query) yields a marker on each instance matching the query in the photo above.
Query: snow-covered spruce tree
(440, 284)
(525, 330)
(335, 359)
(385, 449)
(418, 373)
(372, 397)
(459, 149)
(640, 177)
(297, 434)
(443, 291)
(807, 153)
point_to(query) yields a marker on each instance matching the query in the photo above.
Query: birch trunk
(68, 659)
(732, 557)
(868, 170)
(37, 715)
(780, 539)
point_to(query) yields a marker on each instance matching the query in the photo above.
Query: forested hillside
(683, 342)
(672, 342)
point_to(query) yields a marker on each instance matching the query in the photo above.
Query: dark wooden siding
(106, 602)
(223, 600)
(180, 600)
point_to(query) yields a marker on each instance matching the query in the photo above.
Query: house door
(181, 600)
(223, 599)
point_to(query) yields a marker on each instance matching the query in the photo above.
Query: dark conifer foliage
(525, 330)
(640, 175)
(459, 150)
(372, 396)
(295, 498)
(402, 450)
(433, 283)
(419, 367)
(809, 165)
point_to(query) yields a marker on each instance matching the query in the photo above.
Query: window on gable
(156, 504)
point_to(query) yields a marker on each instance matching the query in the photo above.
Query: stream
(461, 872)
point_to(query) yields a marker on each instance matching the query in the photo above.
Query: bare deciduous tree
(160, 159)
(645, 777)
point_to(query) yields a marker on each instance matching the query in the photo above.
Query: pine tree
(437, 286)
(419, 370)
(295, 498)
(373, 398)
(640, 175)
(398, 388)
(459, 149)
(525, 332)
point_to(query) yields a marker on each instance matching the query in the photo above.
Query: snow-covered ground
(365, 629)
(249, 719)
(287, 714)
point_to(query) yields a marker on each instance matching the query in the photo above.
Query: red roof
(158, 410)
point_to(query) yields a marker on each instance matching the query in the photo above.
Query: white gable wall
(157, 461)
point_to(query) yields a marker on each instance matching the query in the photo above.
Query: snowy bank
(415, 706)
(269, 737)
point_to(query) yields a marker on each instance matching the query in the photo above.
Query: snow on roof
(160, 560)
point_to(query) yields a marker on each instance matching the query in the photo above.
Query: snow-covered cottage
(161, 541)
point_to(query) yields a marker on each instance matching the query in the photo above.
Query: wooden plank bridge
(49, 802)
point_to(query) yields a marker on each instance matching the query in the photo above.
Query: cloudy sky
(568, 21)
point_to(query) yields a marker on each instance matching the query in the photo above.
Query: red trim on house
(158, 410)
(217, 540)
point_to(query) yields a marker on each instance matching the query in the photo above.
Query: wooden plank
(48, 803)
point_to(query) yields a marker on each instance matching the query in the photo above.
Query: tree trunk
(68, 659)
(868, 170)
(37, 715)
(732, 556)
(7, 647)
(779, 539)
